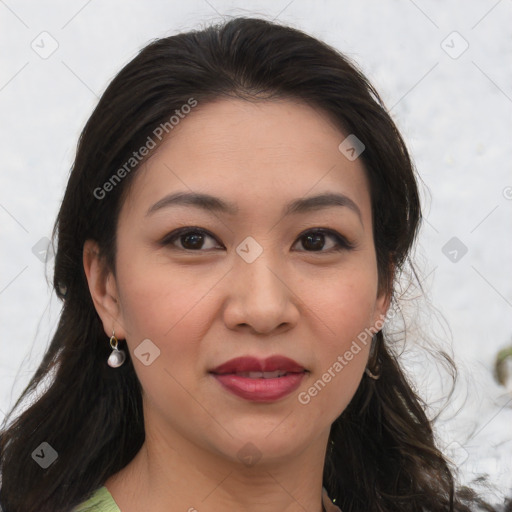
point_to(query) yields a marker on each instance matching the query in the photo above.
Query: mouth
(259, 380)
(253, 367)
(262, 375)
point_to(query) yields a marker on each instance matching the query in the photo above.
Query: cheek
(156, 298)
(344, 309)
(170, 306)
(164, 304)
(343, 304)
(167, 307)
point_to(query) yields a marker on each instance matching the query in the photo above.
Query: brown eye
(315, 241)
(190, 239)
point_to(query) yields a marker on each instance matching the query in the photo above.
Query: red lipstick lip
(260, 390)
(253, 364)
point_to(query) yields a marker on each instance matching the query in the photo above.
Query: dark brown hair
(381, 454)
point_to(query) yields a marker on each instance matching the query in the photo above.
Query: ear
(103, 289)
(383, 301)
(381, 307)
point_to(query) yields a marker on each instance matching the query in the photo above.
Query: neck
(170, 473)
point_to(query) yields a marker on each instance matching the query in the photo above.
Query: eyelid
(342, 243)
(173, 235)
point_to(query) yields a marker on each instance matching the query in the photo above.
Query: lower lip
(261, 390)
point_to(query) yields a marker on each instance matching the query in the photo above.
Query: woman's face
(256, 279)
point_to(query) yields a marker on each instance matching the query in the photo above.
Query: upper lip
(253, 364)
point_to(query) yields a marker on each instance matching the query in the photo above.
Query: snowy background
(444, 71)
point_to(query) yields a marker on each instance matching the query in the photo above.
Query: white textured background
(453, 107)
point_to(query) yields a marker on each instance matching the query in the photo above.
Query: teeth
(262, 375)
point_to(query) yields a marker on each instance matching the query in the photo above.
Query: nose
(260, 296)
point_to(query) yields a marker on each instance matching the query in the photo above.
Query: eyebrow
(216, 204)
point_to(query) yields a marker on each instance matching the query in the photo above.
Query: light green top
(102, 501)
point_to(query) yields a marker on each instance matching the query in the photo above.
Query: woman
(238, 211)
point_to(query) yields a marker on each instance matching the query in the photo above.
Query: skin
(205, 306)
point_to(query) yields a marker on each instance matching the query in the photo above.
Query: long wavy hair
(381, 454)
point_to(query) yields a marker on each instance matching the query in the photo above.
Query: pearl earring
(117, 357)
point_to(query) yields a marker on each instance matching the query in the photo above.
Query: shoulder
(100, 501)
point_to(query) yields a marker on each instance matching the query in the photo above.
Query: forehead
(252, 153)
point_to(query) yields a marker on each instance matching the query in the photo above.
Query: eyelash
(342, 243)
